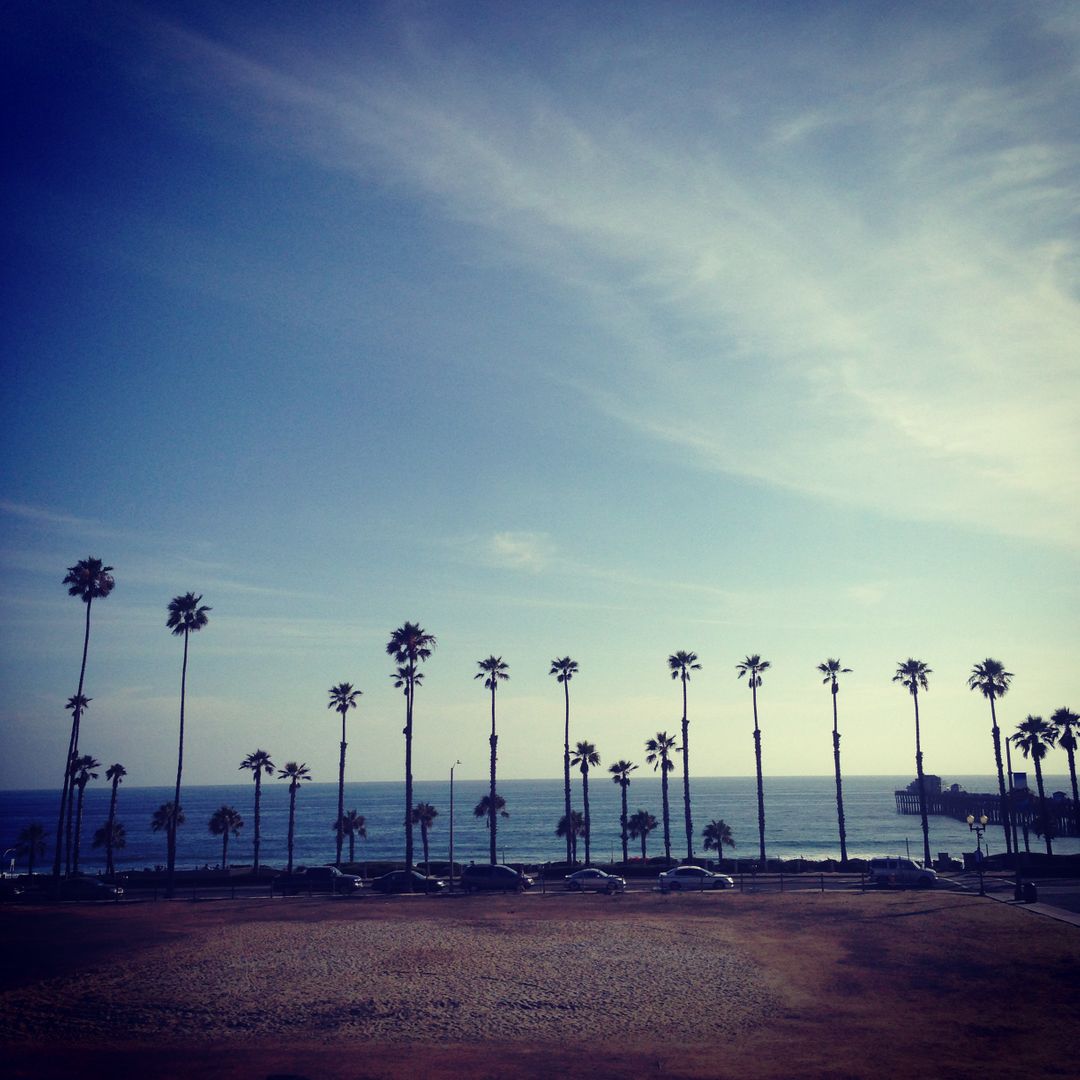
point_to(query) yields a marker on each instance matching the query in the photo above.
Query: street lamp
(978, 828)
(452, 767)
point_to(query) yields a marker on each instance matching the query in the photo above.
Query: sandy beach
(709, 985)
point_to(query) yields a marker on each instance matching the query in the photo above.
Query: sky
(591, 329)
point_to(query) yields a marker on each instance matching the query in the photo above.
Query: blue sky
(603, 330)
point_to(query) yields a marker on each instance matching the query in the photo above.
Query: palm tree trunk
(352, 847)
(409, 687)
(643, 836)
(78, 826)
(922, 785)
(71, 811)
(258, 800)
(686, 775)
(1005, 808)
(585, 799)
(622, 821)
(341, 793)
(760, 785)
(1042, 802)
(225, 849)
(492, 815)
(175, 823)
(424, 841)
(109, 828)
(839, 786)
(1071, 751)
(667, 821)
(292, 821)
(571, 854)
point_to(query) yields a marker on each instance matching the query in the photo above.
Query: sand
(710, 985)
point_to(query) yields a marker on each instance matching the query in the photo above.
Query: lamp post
(978, 828)
(452, 767)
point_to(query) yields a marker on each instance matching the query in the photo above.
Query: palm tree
(1035, 737)
(111, 835)
(114, 773)
(912, 674)
(659, 757)
(295, 773)
(31, 843)
(223, 821)
(187, 616)
(681, 664)
(831, 669)
(585, 756)
(409, 645)
(89, 579)
(641, 824)
(483, 809)
(83, 769)
(166, 819)
(564, 669)
(620, 774)
(717, 835)
(258, 761)
(424, 815)
(752, 667)
(992, 681)
(491, 671)
(342, 699)
(77, 703)
(353, 825)
(570, 828)
(1064, 719)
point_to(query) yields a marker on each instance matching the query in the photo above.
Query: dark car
(318, 879)
(78, 887)
(498, 878)
(398, 881)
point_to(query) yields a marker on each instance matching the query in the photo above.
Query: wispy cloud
(862, 289)
(521, 550)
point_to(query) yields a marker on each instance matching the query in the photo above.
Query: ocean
(800, 819)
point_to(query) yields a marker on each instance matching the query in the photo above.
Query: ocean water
(800, 819)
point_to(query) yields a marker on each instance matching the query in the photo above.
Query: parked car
(596, 880)
(78, 887)
(10, 889)
(397, 881)
(693, 877)
(321, 879)
(482, 877)
(900, 871)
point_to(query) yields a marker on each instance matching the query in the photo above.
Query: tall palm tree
(564, 669)
(1065, 719)
(752, 667)
(410, 645)
(295, 773)
(31, 843)
(992, 681)
(620, 774)
(681, 664)
(913, 674)
(89, 579)
(424, 815)
(640, 825)
(1035, 737)
(570, 828)
(77, 703)
(492, 670)
(166, 819)
(353, 825)
(831, 669)
(111, 835)
(187, 616)
(258, 762)
(223, 821)
(659, 757)
(342, 699)
(717, 835)
(585, 756)
(83, 768)
(114, 773)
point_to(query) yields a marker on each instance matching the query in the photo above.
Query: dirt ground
(712, 985)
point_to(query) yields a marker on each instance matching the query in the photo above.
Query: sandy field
(712, 985)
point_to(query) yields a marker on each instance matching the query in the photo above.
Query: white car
(591, 878)
(693, 878)
(898, 871)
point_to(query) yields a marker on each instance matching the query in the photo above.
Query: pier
(959, 804)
